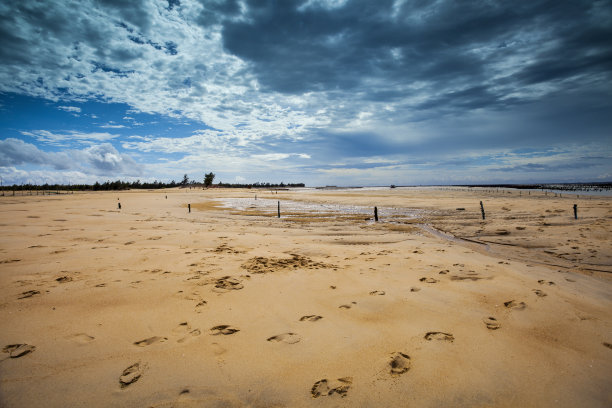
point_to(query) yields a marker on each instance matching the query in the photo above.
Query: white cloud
(73, 109)
(102, 159)
(48, 137)
(122, 63)
(279, 156)
(271, 156)
(112, 126)
(14, 152)
(105, 159)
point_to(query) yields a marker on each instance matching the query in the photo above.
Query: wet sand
(154, 306)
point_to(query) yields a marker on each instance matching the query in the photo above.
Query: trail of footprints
(398, 363)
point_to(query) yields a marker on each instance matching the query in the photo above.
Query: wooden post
(278, 209)
(119, 206)
(575, 211)
(375, 214)
(482, 210)
(189, 207)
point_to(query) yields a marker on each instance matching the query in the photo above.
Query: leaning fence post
(482, 210)
(375, 214)
(575, 211)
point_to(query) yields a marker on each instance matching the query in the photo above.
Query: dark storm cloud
(580, 164)
(456, 48)
(216, 11)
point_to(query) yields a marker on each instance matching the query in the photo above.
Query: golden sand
(153, 306)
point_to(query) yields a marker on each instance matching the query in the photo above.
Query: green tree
(185, 180)
(208, 179)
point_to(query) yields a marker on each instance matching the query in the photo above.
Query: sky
(323, 92)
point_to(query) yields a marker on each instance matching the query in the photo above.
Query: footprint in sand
(539, 292)
(608, 345)
(29, 294)
(217, 349)
(63, 279)
(345, 306)
(150, 340)
(184, 328)
(224, 329)
(325, 387)
(491, 323)
(542, 282)
(310, 318)
(429, 280)
(289, 338)
(377, 292)
(131, 374)
(82, 338)
(400, 363)
(227, 283)
(439, 336)
(471, 277)
(200, 306)
(415, 289)
(18, 350)
(513, 304)
(192, 333)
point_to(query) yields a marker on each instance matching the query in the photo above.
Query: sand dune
(151, 305)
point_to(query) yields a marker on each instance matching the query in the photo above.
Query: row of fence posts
(38, 192)
(482, 211)
(278, 211)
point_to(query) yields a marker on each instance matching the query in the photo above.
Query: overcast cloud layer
(318, 91)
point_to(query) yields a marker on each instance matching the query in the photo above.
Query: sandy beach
(228, 305)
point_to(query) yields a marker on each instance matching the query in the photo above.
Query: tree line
(97, 186)
(126, 185)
